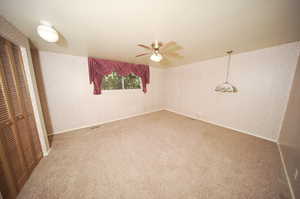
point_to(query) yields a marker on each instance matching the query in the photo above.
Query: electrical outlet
(296, 174)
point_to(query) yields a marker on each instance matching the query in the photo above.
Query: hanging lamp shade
(226, 87)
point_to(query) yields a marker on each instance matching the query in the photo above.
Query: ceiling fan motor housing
(156, 45)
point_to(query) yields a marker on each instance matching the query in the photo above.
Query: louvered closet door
(26, 102)
(7, 186)
(4, 189)
(10, 68)
(8, 131)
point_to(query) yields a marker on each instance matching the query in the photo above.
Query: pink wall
(263, 78)
(72, 103)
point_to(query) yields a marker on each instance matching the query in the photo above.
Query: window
(115, 82)
(112, 82)
(132, 81)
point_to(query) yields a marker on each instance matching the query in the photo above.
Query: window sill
(123, 91)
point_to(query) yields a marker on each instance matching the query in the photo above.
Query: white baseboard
(221, 125)
(167, 109)
(286, 173)
(108, 121)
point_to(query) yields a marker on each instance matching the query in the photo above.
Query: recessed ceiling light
(47, 32)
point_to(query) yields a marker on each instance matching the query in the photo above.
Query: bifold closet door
(18, 132)
(8, 188)
(9, 107)
(28, 115)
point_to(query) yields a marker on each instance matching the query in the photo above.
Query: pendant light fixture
(226, 87)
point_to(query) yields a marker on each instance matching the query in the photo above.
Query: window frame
(130, 90)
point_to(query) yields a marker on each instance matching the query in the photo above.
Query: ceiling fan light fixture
(156, 57)
(47, 32)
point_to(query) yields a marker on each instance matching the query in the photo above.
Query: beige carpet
(158, 156)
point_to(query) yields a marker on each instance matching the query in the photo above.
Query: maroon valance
(98, 68)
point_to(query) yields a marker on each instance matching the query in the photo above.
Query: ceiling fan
(158, 50)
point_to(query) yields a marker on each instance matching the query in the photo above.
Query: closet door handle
(20, 116)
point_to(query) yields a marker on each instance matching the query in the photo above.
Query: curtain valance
(98, 68)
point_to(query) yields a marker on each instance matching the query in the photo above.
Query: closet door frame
(12, 34)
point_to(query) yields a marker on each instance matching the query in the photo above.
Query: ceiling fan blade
(165, 62)
(168, 45)
(143, 54)
(144, 46)
(172, 49)
(173, 54)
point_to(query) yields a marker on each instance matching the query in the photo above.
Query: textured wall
(71, 100)
(290, 134)
(263, 78)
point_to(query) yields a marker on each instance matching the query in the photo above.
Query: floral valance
(98, 68)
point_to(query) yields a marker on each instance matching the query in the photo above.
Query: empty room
(161, 99)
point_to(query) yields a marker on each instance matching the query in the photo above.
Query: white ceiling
(111, 29)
